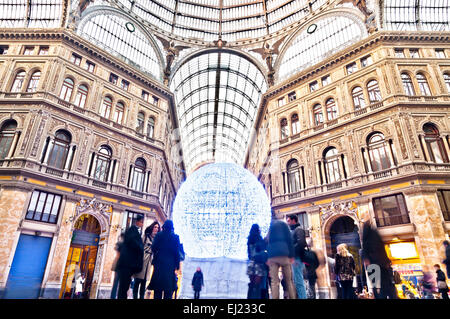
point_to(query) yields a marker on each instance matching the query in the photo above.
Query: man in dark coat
(131, 257)
(299, 241)
(166, 259)
(197, 283)
(447, 256)
(280, 251)
(374, 253)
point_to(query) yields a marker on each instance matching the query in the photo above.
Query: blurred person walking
(446, 261)
(311, 263)
(114, 269)
(299, 241)
(166, 259)
(131, 257)
(344, 269)
(257, 269)
(141, 278)
(441, 282)
(427, 284)
(373, 252)
(280, 255)
(197, 283)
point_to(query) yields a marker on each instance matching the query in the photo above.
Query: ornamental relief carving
(99, 210)
(28, 132)
(39, 133)
(348, 208)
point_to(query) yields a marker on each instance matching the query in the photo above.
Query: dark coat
(344, 267)
(299, 240)
(166, 259)
(373, 247)
(447, 256)
(280, 240)
(441, 277)
(312, 263)
(131, 251)
(197, 281)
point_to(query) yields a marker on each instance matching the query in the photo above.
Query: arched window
(284, 128)
(358, 98)
(423, 84)
(434, 144)
(331, 109)
(80, 98)
(374, 91)
(138, 175)
(318, 115)
(331, 163)
(118, 112)
(34, 81)
(140, 123)
(378, 152)
(18, 82)
(150, 126)
(447, 81)
(7, 133)
(103, 164)
(295, 123)
(66, 90)
(105, 109)
(407, 84)
(60, 150)
(293, 175)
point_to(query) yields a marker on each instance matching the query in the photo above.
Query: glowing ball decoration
(215, 208)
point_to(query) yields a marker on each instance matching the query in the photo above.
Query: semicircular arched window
(374, 91)
(80, 98)
(317, 114)
(358, 98)
(60, 149)
(284, 128)
(138, 175)
(7, 134)
(332, 112)
(378, 152)
(103, 164)
(66, 89)
(105, 108)
(34, 81)
(423, 84)
(408, 84)
(18, 82)
(293, 175)
(331, 162)
(295, 123)
(434, 144)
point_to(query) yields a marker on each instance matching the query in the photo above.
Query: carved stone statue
(172, 53)
(267, 52)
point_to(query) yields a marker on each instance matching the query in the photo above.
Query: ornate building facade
(340, 107)
(363, 136)
(82, 135)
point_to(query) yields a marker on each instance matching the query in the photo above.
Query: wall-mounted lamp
(115, 227)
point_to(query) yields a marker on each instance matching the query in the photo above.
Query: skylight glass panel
(110, 33)
(30, 13)
(332, 35)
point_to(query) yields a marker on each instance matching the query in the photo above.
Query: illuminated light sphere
(215, 208)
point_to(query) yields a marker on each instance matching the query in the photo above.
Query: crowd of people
(285, 251)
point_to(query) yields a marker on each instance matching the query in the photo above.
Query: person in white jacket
(79, 285)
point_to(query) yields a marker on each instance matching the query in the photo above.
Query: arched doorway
(344, 230)
(82, 256)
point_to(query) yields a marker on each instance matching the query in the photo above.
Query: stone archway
(100, 213)
(340, 224)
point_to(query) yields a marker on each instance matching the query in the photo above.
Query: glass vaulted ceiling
(217, 95)
(232, 19)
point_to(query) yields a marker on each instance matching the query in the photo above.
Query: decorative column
(49, 149)
(13, 145)
(447, 148)
(367, 159)
(425, 149)
(390, 154)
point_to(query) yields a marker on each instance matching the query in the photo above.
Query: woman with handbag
(441, 282)
(344, 269)
(256, 268)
